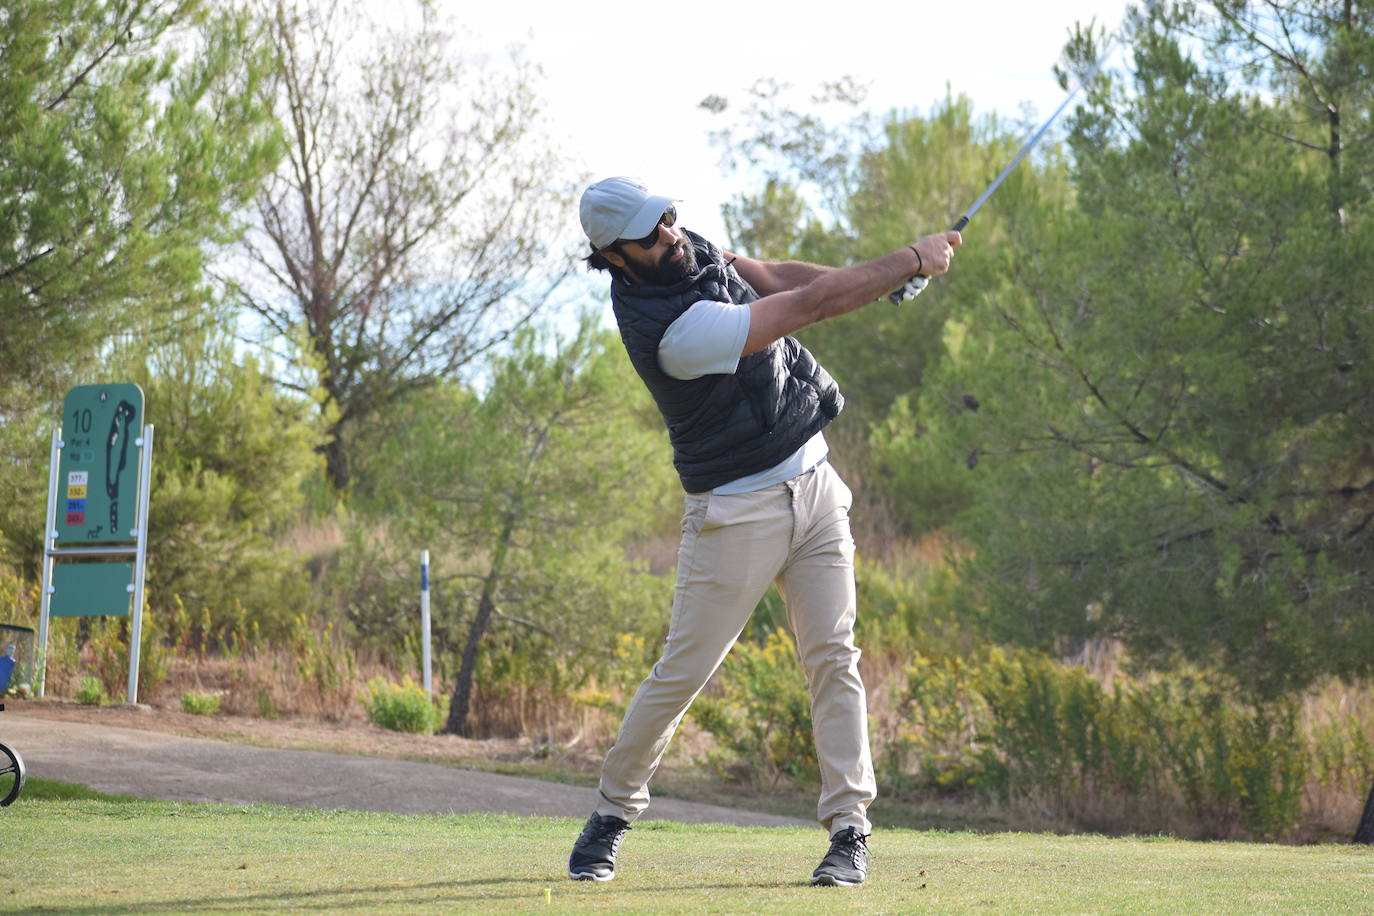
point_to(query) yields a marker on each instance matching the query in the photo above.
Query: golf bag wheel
(11, 774)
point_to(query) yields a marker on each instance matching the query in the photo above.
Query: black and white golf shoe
(593, 855)
(846, 863)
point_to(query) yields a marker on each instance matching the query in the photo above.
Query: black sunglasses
(668, 218)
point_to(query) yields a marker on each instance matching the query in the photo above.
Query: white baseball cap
(620, 208)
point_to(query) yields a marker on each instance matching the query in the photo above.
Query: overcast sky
(623, 80)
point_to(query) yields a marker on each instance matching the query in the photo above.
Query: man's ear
(613, 257)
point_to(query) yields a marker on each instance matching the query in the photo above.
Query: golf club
(913, 287)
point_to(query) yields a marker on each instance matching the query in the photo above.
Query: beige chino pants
(733, 547)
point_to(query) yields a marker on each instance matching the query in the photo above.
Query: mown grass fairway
(119, 856)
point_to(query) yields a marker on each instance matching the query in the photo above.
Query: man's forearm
(831, 292)
(794, 274)
(836, 291)
(769, 277)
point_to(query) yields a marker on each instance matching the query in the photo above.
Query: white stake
(424, 622)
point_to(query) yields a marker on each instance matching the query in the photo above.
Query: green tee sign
(98, 472)
(99, 475)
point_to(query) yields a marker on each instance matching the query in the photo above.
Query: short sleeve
(707, 339)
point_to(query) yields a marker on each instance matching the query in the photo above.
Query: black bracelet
(920, 262)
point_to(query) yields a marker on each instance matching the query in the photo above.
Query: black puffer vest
(724, 427)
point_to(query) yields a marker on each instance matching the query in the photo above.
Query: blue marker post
(424, 622)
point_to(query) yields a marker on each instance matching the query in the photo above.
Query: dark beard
(665, 274)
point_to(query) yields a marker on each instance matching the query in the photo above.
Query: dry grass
(534, 711)
(1334, 798)
(266, 683)
(318, 543)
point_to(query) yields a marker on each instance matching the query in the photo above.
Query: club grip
(896, 295)
(909, 290)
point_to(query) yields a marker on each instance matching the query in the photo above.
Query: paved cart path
(150, 764)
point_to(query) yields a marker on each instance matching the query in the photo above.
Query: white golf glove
(911, 290)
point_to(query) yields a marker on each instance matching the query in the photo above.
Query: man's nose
(672, 233)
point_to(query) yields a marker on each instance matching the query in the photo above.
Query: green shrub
(91, 692)
(327, 665)
(762, 718)
(911, 611)
(1054, 731)
(200, 704)
(403, 707)
(108, 649)
(1237, 764)
(19, 602)
(233, 452)
(936, 743)
(1147, 754)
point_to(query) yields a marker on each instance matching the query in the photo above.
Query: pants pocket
(694, 509)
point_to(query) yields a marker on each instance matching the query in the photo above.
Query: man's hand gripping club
(933, 254)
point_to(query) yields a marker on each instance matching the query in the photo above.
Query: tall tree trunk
(1335, 183)
(1365, 832)
(462, 687)
(461, 700)
(336, 466)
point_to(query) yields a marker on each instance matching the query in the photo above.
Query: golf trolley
(11, 772)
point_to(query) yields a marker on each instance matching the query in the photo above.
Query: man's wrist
(920, 261)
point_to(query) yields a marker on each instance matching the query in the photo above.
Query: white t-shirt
(708, 339)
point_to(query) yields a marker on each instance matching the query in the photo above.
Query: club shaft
(1034, 139)
(896, 296)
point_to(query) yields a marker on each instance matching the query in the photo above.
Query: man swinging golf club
(745, 405)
